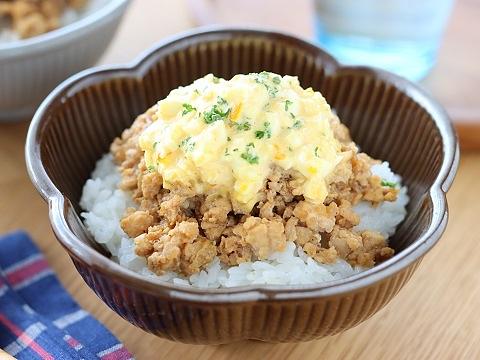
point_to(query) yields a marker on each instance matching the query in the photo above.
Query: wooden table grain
(435, 316)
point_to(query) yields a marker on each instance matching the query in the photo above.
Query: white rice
(105, 206)
(69, 16)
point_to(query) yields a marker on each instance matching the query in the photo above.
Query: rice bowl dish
(393, 120)
(331, 219)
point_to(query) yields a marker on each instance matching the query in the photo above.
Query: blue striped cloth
(38, 318)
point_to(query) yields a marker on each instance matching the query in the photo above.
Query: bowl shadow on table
(387, 118)
(257, 349)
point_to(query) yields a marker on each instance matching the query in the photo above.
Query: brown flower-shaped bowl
(389, 117)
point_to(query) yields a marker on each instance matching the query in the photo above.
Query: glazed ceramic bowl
(389, 117)
(31, 68)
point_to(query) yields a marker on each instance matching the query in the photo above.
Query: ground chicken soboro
(178, 230)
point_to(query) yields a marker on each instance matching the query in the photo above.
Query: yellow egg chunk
(226, 136)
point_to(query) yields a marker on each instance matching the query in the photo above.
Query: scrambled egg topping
(224, 136)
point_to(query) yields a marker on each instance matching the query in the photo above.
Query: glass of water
(402, 36)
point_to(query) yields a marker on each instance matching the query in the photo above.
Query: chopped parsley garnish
(248, 155)
(267, 131)
(251, 159)
(269, 83)
(187, 144)
(221, 101)
(296, 125)
(151, 168)
(187, 108)
(229, 138)
(316, 151)
(155, 144)
(236, 149)
(226, 152)
(389, 183)
(215, 80)
(290, 148)
(244, 126)
(219, 111)
(259, 134)
(287, 105)
(196, 91)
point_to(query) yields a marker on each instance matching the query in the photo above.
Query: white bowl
(31, 68)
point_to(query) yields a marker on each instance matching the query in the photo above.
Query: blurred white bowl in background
(31, 68)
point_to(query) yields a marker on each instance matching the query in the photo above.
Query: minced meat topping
(179, 229)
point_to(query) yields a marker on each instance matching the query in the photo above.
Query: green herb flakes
(219, 111)
(269, 83)
(244, 126)
(151, 168)
(316, 151)
(221, 101)
(248, 155)
(187, 108)
(288, 103)
(296, 125)
(187, 144)
(251, 159)
(259, 134)
(266, 132)
(389, 184)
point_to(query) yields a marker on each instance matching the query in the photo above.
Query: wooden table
(435, 316)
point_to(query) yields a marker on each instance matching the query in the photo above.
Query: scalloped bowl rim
(78, 249)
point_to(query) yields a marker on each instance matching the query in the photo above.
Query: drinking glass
(402, 36)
